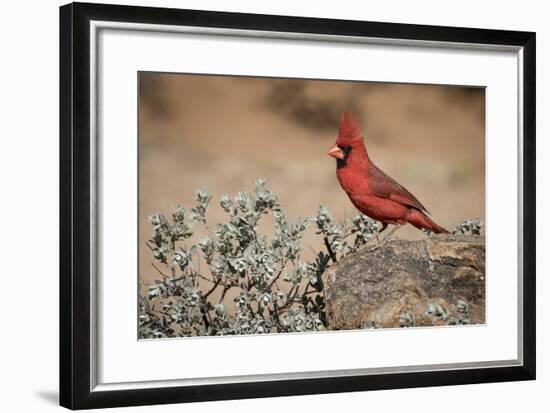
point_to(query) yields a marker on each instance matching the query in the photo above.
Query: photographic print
(252, 191)
(288, 205)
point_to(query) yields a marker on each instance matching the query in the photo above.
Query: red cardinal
(373, 192)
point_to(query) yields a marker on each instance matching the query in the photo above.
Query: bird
(370, 190)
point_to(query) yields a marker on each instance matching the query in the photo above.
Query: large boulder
(423, 282)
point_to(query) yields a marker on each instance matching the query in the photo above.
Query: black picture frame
(75, 219)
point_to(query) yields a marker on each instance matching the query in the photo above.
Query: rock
(399, 281)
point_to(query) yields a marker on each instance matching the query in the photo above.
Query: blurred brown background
(222, 133)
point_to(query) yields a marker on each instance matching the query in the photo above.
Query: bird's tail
(422, 221)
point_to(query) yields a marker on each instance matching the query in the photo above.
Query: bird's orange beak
(336, 152)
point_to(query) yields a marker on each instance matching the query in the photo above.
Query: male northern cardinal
(373, 192)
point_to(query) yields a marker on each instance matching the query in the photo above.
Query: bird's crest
(350, 131)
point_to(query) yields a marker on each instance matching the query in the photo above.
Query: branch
(276, 315)
(212, 289)
(251, 309)
(198, 274)
(330, 251)
(290, 300)
(205, 318)
(274, 280)
(225, 289)
(159, 271)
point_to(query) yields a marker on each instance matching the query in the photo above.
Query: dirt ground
(222, 133)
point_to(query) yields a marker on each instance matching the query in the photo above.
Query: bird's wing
(385, 187)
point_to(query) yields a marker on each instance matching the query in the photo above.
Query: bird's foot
(388, 239)
(379, 242)
(372, 244)
(389, 236)
(375, 242)
(372, 248)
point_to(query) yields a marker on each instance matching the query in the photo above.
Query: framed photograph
(258, 205)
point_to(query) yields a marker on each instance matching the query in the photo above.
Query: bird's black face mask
(340, 163)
